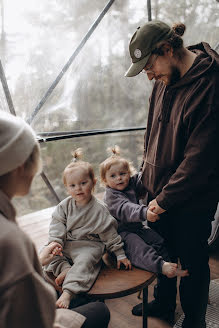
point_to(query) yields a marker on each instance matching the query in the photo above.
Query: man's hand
(155, 208)
(151, 216)
(125, 262)
(49, 251)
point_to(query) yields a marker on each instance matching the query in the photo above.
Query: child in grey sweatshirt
(83, 226)
(143, 246)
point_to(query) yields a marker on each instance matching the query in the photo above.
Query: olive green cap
(143, 42)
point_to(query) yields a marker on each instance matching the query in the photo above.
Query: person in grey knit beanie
(17, 141)
(26, 299)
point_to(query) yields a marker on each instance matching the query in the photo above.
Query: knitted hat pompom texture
(17, 140)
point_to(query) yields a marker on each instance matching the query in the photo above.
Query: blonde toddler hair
(115, 158)
(78, 163)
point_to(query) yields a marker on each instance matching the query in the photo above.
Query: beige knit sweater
(26, 300)
(92, 222)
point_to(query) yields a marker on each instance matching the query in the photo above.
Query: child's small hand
(125, 262)
(49, 251)
(56, 248)
(156, 208)
(151, 216)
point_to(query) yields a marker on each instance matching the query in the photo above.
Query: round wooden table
(113, 283)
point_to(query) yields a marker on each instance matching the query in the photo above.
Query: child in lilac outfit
(143, 246)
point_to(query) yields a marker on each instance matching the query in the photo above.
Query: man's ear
(168, 50)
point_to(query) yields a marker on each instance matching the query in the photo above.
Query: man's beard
(174, 76)
(171, 78)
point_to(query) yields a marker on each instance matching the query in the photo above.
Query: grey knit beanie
(17, 140)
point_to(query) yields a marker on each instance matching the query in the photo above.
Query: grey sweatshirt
(26, 300)
(92, 222)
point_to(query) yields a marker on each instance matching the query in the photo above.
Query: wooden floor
(36, 226)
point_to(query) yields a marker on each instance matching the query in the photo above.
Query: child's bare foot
(64, 300)
(59, 280)
(182, 273)
(170, 270)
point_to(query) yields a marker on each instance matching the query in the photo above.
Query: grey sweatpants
(83, 257)
(145, 249)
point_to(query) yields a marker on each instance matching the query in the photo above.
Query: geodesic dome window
(62, 70)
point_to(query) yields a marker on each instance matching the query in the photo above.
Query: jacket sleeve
(57, 228)
(123, 209)
(28, 303)
(31, 303)
(26, 299)
(201, 157)
(68, 318)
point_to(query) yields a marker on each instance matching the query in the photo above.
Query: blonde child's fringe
(77, 154)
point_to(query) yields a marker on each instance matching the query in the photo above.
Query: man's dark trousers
(186, 235)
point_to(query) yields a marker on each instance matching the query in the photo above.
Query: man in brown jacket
(181, 159)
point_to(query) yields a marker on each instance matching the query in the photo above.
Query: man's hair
(175, 40)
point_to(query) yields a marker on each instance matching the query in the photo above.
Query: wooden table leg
(144, 307)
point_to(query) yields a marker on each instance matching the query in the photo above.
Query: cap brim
(136, 68)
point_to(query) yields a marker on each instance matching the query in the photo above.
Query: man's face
(164, 69)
